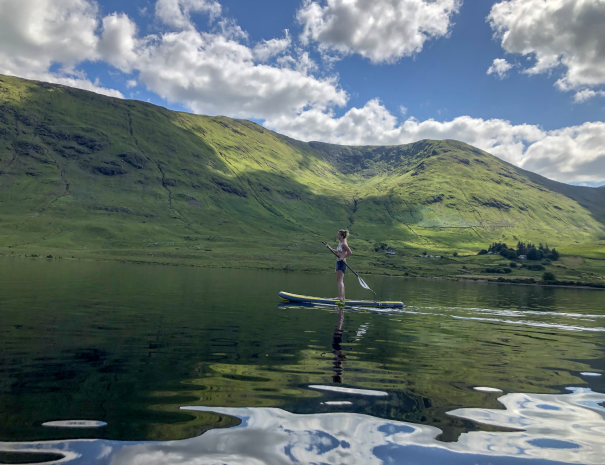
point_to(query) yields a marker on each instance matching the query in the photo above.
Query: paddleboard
(322, 300)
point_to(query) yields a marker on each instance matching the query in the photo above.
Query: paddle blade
(364, 285)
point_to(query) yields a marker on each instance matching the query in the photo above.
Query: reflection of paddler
(339, 357)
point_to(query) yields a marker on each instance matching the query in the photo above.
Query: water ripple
(560, 428)
(533, 318)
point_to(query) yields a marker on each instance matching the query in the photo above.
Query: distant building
(390, 251)
(522, 257)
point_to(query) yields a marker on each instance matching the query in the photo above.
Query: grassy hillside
(85, 175)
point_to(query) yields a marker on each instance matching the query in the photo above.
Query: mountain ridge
(80, 171)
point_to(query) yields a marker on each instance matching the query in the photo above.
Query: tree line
(528, 249)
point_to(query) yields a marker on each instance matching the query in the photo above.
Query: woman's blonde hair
(344, 233)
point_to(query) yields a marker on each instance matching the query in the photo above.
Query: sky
(521, 79)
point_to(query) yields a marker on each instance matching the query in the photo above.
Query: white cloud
(569, 154)
(177, 13)
(268, 49)
(304, 63)
(60, 31)
(381, 30)
(567, 33)
(231, 30)
(500, 67)
(210, 73)
(589, 183)
(213, 72)
(587, 94)
(118, 42)
(78, 82)
(373, 124)
(403, 110)
(131, 83)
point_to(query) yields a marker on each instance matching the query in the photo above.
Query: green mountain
(87, 175)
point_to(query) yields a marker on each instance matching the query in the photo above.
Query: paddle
(361, 281)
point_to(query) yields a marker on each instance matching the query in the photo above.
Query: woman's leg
(341, 285)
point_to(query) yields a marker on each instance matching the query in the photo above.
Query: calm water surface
(123, 364)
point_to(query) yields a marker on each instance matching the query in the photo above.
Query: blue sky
(347, 71)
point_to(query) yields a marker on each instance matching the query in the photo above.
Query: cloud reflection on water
(563, 428)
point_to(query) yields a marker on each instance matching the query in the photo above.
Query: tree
(521, 248)
(496, 247)
(509, 253)
(534, 254)
(548, 276)
(553, 255)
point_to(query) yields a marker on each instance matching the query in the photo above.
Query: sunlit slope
(82, 171)
(453, 193)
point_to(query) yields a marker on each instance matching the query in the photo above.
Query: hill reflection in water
(564, 428)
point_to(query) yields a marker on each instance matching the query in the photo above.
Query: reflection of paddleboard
(321, 300)
(299, 305)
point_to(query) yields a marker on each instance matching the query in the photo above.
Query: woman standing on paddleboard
(343, 251)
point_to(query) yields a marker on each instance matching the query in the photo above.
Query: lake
(134, 364)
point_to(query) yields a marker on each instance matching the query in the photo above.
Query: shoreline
(568, 286)
(596, 286)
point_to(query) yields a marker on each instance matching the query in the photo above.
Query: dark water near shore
(202, 366)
